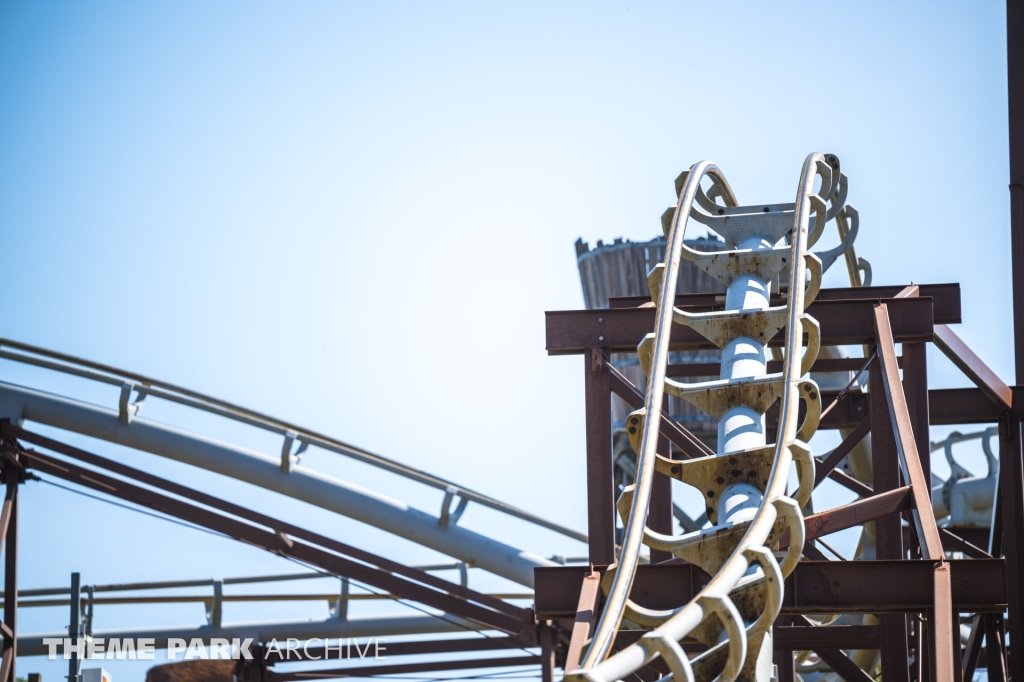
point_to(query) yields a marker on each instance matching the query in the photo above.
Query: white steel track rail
(295, 437)
(302, 483)
(734, 612)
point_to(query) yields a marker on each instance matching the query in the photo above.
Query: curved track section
(745, 483)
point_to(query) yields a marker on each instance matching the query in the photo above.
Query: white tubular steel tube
(608, 626)
(264, 471)
(741, 428)
(773, 505)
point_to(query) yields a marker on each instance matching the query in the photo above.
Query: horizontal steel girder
(843, 322)
(979, 585)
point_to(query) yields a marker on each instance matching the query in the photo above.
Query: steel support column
(1013, 497)
(9, 533)
(915, 386)
(546, 638)
(888, 530)
(1011, 493)
(600, 481)
(995, 650)
(1015, 88)
(785, 664)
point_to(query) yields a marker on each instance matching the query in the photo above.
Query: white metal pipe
(19, 403)
(741, 427)
(328, 628)
(739, 502)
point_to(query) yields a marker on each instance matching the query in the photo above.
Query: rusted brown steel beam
(255, 517)
(843, 666)
(787, 636)
(836, 659)
(586, 615)
(812, 553)
(941, 626)
(572, 332)
(1015, 92)
(846, 414)
(946, 407)
(679, 435)
(1012, 473)
(400, 669)
(1011, 517)
(825, 466)
(898, 586)
(906, 444)
(657, 586)
(707, 369)
(915, 387)
(782, 653)
(970, 364)
(276, 541)
(995, 648)
(546, 638)
(9, 523)
(946, 297)
(857, 513)
(785, 665)
(600, 467)
(850, 483)
(973, 649)
(413, 648)
(901, 586)
(951, 406)
(885, 471)
(802, 637)
(10, 497)
(954, 543)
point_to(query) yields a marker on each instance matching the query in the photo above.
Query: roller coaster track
(283, 473)
(745, 483)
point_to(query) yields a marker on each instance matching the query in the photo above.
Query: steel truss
(456, 603)
(912, 576)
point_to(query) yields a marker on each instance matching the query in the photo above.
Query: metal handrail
(713, 598)
(200, 598)
(148, 386)
(205, 582)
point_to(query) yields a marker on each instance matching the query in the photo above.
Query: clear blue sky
(335, 212)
